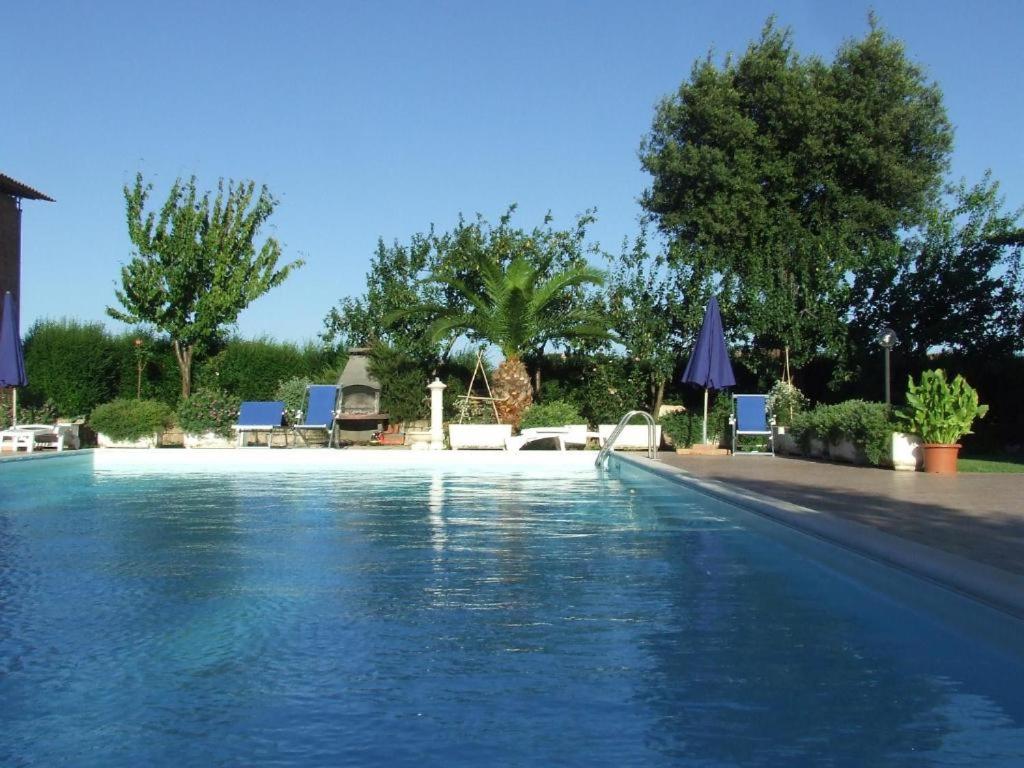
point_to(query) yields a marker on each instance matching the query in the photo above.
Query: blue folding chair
(751, 417)
(259, 416)
(321, 406)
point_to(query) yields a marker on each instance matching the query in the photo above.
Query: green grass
(995, 463)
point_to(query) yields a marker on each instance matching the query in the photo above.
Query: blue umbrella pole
(705, 415)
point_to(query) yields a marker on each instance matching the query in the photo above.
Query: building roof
(9, 186)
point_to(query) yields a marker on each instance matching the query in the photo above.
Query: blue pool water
(423, 617)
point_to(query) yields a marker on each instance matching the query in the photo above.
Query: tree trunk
(512, 391)
(659, 395)
(184, 355)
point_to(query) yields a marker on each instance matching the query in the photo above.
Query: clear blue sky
(376, 119)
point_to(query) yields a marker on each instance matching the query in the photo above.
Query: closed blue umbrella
(709, 365)
(12, 362)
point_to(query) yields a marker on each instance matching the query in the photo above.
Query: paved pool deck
(976, 516)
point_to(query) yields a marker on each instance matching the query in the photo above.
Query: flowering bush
(786, 402)
(208, 410)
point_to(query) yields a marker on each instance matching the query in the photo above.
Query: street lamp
(887, 339)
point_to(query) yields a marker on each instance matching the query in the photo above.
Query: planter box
(632, 438)
(152, 441)
(846, 451)
(906, 452)
(208, 440)
(818, 449)
(478, 436)
(785, 442)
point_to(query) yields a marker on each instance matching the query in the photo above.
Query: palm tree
(518, 308)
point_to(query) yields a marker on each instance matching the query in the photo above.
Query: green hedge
(131, 419)
(551, 413)
(253, 369)
(70, 364)
(867, 425)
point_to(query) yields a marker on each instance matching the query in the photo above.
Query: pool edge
(996, 588)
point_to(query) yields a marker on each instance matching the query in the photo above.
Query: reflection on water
(428, 618)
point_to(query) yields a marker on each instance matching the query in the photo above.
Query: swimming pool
(462, 613)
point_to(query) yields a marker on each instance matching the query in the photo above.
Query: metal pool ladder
(609, 444)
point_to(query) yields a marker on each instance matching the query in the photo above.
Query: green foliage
(551, 413)
(952, 284)
(785, 401)
(403, 384)
(654, 312)
(867, 425)
(292, 392)
(719, 412)
(160, 380)
(782, 176)
(940, 411)
(71, 364)
(253, 369)
(683, 428)
(208, 410)
(519, 307)
(607, 389)
(195, 266)
(131, 419)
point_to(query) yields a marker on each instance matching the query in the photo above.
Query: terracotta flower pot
(940, 459)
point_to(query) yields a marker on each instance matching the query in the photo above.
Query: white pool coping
(304, 460)
(994, 587)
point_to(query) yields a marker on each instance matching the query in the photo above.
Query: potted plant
(786, 403)
(940, 412)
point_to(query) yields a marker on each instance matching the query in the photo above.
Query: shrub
(208, 410)
(293, 393)
(552, 413)
(683, 428)
(403, 384)
(71, 364)
(610, 388)
(130, 419)
(867, 425)
(785, 401)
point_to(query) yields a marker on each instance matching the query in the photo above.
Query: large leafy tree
(519, 306)
(951, 285)
(784, 176)
(195, 265)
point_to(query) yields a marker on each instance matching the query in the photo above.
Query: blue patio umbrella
(709, 365)
(12, 362)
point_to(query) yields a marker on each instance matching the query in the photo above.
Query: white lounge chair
(570, 434)
(32, 436)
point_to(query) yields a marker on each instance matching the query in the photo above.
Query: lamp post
(887, 339)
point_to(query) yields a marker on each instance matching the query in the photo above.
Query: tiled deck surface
(977, 516)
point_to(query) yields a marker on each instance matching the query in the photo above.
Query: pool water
(429, 617)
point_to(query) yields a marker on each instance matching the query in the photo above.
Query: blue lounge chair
(259, 416)
(751, 417)
(321, 405)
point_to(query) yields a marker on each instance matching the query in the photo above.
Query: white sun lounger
(32, 436)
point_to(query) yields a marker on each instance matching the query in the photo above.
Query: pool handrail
(609, 444)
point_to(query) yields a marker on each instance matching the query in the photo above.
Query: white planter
(907, 455)
(478, 436)
(418, 439)
(208, 440)
(633, 437)
(104, 441)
